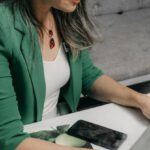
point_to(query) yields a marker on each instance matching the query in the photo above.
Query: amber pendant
(50, 33)
(52, 42)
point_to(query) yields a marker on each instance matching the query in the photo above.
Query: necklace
(50, 34)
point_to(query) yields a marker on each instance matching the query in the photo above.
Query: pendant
(50, 33)
(52, 42)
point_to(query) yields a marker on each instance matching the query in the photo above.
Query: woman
(43, 58)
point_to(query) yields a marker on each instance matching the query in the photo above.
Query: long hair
(74, 27)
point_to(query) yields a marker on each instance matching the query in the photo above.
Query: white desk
(127, 120)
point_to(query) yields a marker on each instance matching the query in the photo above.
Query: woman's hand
(145, 105)
(37, 144)
(108, 89)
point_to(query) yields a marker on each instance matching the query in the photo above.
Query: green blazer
(22, 84)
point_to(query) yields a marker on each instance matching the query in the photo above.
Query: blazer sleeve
(11, 126)
(89, 72)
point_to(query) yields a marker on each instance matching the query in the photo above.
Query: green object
(63, 128)
(67, 140)
(22, 83)
(45, 135)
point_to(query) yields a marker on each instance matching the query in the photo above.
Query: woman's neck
(41, 10)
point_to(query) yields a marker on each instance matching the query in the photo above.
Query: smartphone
(97, 134)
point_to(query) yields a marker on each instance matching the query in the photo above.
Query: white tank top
(57, 74)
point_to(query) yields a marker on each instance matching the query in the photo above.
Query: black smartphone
(97, 134)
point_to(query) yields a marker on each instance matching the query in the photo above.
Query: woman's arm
(37, 144)
(109, 89)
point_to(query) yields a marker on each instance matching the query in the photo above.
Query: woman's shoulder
(3, 6)
(6, 15)
(6, 25)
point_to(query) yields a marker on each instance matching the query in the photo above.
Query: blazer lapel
(33, 59)
(72, 90)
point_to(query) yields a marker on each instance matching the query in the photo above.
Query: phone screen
(97, 134)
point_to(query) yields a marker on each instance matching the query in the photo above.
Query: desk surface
(127, 120)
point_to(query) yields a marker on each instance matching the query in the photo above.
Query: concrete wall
(100, 7)
(124, 52)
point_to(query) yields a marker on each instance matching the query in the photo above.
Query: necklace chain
(46, 29)
(50, 34)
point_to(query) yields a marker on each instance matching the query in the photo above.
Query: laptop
(144, 141)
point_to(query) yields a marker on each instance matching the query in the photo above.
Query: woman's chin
(69, 10)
